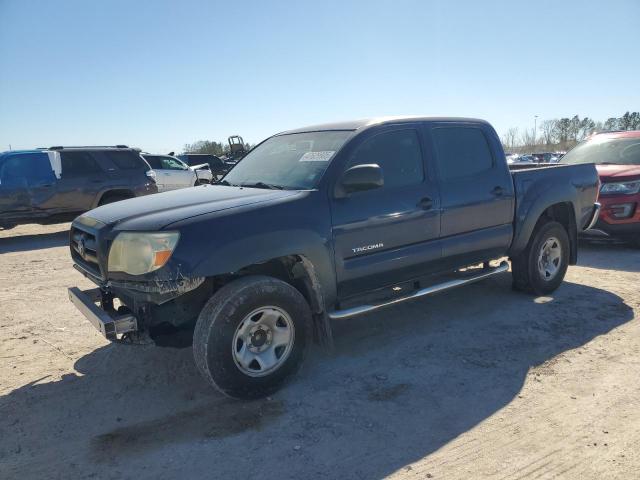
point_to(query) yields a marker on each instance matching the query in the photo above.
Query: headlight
(138, 253)
(620, 188)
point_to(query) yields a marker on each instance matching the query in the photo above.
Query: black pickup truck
(320, 224)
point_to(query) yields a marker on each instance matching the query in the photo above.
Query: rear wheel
(251, 336)
(541, 267)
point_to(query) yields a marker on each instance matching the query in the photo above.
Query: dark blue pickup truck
(324, 223)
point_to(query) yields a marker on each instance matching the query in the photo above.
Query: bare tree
(527, 138)
(548, 128)
(510, 138)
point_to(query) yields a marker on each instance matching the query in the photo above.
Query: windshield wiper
(262, 185)
(224, 182)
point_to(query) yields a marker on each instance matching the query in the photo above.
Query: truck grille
(84, 250)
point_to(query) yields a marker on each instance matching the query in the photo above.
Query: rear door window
(29, 169)
(462, 151)
(169, 163)
(78, 164)
(154, 161)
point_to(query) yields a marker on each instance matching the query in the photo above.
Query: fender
(534, 202)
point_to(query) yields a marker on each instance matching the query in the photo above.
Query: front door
(27, 183)
(14, 189)
(387, 235)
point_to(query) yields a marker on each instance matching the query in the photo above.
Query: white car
(172, 173)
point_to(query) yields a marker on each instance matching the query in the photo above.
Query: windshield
(606, 150)
(296, 161)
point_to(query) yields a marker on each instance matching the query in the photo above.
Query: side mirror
(360, 178)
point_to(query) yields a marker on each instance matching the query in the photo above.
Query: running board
(350, 312)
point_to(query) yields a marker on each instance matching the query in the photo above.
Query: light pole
(535, 129)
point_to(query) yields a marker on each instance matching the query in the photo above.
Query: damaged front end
(125, 305)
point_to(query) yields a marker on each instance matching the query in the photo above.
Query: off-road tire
(218, 321)
(524, 266)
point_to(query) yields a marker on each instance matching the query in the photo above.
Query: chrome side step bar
(351, 312)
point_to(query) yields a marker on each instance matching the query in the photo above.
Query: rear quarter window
(154, 161)
(126, 160)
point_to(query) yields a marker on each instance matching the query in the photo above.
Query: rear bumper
(109, 323)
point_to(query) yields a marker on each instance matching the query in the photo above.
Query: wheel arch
(113, 192)
(562, 212)
(299, 272)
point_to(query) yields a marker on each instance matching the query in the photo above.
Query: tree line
(211, 147)
(563, 133)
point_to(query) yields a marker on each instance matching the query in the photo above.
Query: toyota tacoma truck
(321, 224)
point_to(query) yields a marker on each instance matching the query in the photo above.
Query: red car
(617, 158)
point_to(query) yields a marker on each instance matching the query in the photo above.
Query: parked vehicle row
(59, 183)
(217, 166)
(56, 184)
(325, 223)
(172, 173)
(547, 157)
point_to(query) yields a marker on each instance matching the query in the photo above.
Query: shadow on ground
(401, 384)
(609, 255)
(25, 243)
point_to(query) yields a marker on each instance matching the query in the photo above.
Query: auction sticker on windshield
(322, 156)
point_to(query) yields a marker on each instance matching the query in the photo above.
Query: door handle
(497, 191)
(426, 203)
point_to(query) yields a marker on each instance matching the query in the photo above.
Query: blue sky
(159, 74)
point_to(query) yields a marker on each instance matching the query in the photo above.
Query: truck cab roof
(365, 123)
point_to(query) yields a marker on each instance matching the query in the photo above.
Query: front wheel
(541, 267)
(251, 336)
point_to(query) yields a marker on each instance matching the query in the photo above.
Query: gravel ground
(479, 382)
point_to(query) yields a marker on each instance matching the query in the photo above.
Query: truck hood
(154, 212)
(610, 173)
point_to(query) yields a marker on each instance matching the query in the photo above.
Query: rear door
(387, 235)
(476, 192)
(80, 178)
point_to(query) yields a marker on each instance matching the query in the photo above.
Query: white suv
(172, 173)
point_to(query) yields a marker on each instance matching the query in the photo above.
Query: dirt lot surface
(479, 382)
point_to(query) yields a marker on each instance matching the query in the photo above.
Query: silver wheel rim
(550, 258)
(263, 341)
